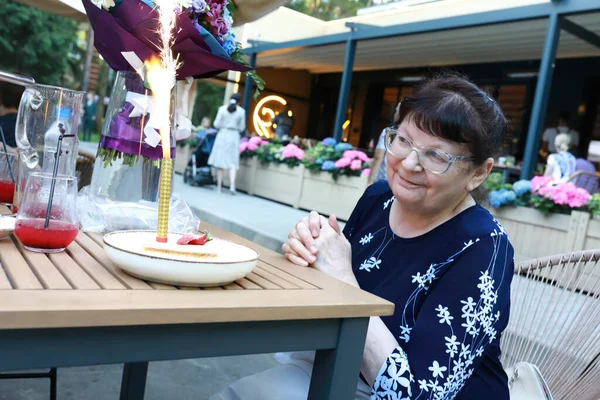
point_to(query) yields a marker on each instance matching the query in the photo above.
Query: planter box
(534, 234)
(244, 179)
(182, 156)
(324, 195)
(278, 182)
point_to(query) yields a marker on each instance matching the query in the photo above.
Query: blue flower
(328, 165)
(495, 198)
(343, 146)
(229, 46)
(508, 196)
(522, 187)
(319, 161)
(329, 141)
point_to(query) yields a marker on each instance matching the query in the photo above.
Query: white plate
(7, 226)
(216, 263)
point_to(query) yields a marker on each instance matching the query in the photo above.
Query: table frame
(339, 344)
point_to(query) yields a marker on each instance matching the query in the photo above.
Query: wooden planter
(278, 182)
(244, 180)
(534, 234)
(182, 156)
(321, 193)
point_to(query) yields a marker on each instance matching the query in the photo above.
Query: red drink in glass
(7, 190)
(57, 236)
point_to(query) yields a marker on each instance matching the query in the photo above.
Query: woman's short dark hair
(235, 99)
(451, 107)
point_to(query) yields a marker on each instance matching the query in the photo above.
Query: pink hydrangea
(362, 156)
(257, 140)
(356, 165)
(252, 146)
(243, 147)
(293, 151)
(343, 162)
(564, 193)
(366, 172)
(351, 154)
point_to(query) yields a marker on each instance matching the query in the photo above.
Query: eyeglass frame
(418, 150)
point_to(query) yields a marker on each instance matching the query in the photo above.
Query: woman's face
(415, 186)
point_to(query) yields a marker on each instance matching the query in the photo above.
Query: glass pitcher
(45, 114)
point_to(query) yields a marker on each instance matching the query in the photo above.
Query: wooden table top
(82, 287)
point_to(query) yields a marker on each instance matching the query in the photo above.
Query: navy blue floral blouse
(451, 288)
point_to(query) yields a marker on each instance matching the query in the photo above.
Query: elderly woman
(561, 165)
(419, 240)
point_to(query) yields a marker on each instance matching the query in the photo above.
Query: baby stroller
(198, 172)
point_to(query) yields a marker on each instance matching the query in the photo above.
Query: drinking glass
(38, 230)
(7, 176)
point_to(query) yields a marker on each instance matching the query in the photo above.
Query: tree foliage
(209, 97)
(39, 44)
(329, 9)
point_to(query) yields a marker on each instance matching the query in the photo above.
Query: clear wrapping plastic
(101, 214)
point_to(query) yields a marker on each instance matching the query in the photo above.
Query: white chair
(555, 322)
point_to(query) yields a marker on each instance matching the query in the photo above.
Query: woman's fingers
(333, 222)
(296, 260)
(306, 238)
(314, 223)
(300, 250)
(292, 255)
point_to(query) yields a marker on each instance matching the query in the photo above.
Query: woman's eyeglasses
(430, 158)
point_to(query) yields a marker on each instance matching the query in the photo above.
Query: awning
(72, 9)
(515, 41)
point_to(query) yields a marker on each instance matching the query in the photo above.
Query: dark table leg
(336, 371)
(133, 384)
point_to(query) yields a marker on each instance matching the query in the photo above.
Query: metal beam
(540, 102)
(358, 25)
(340, 115)
(248, 86)
(523, 13)
(581, 32)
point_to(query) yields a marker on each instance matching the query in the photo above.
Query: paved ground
(257, 219)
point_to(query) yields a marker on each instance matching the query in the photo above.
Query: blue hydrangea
(508, 196)
(229, 46)
(329, 141)
(522, 187)
(343, 146)
(319, 161)
(502, 197)
(328, 165)
(495, 198)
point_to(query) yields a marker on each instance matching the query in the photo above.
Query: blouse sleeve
(242, 122)
(220, 118)
(465, 311)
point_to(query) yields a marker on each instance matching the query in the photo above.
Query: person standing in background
(284, 123)
(90, 109)
(230, 121)
(379, 167)
(10, 97)
(562, 127)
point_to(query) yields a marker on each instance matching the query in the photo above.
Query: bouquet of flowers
(557, 197)
(127, 35)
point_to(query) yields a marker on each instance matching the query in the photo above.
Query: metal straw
(16, 79)
(10, 168)
(54, 173)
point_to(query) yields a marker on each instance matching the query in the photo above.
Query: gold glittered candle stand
(164, 198)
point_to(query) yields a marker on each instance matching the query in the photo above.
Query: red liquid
(58, 235)
(7, 190)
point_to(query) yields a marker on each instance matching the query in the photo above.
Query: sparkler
(161, 78)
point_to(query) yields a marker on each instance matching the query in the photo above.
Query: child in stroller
(198, 172)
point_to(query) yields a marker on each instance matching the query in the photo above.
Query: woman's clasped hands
(318, 241)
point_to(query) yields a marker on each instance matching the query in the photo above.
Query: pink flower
(243, 147)
(263, 142)
(351, 154)
(252, 146)
(293, 151)
(362, 156)
(366, 172)
(539, 182)
(343, 162)
(256, 140)
(356, 165)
